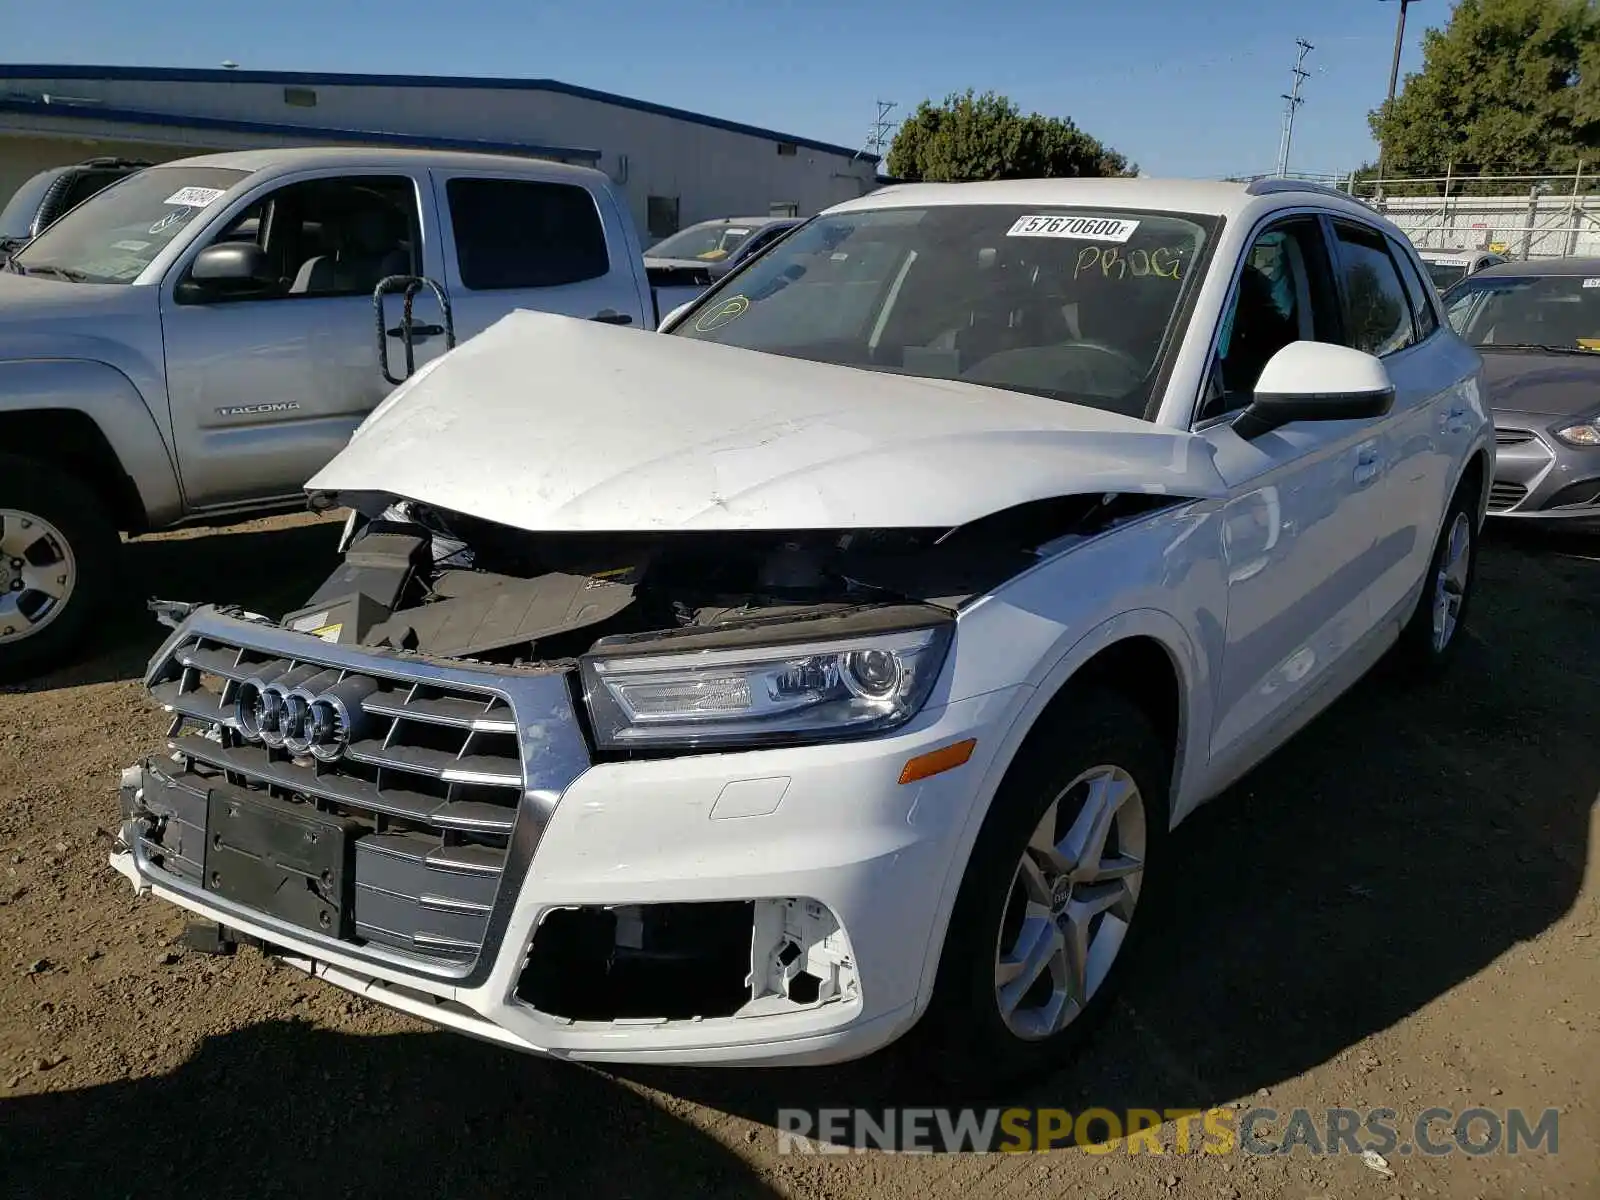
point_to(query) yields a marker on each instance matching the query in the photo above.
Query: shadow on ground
(1399, 845)
(263, 570)
(282, 1109)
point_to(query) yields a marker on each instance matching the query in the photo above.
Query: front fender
(107, 397)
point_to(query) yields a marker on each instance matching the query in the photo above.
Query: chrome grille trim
(443, 757)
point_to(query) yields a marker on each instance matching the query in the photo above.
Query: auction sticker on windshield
(195, 197)
(1088, 229)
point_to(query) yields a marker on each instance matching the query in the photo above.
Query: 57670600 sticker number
(1085, 229)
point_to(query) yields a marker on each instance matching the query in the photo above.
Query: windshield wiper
(1533, 348)
(67, 273)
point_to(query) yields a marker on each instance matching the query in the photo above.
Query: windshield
(1445, 274)
(115, 234)
(710, 241)
(1559, 312)
(1071, 304)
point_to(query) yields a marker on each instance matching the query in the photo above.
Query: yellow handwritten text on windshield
(1114, 262)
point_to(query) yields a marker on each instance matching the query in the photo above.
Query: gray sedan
(1537, 325)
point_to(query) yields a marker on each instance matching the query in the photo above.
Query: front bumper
(840, 873)
(1541, 480)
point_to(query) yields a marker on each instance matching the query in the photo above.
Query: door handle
(609, 316)
(1367, 464)
(418, 332)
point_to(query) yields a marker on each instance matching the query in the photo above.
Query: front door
(1304, 500)
(267, 386)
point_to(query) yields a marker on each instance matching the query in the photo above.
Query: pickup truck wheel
(58, 555)
(1430, 638)
(1049, 908)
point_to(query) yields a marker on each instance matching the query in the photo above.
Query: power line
(1294, 101)
(878, 135)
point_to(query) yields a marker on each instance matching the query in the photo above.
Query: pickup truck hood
(552, 424)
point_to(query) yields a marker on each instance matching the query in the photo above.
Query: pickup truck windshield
(113, 236)
(1519, 312)
(1072, 304)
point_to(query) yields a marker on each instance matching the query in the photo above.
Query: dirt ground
(1401, 909)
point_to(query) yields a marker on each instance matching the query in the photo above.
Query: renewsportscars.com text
(1263, 1131)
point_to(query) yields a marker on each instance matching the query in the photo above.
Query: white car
(1446, 268)
(839, 660)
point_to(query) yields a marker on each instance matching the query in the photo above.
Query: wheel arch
(88, 418)
(1146, 655)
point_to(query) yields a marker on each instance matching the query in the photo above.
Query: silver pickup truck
(198, 340)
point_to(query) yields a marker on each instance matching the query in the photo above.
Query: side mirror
(1314, 381)
(232, 269)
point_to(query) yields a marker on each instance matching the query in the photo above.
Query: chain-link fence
(1520, 216)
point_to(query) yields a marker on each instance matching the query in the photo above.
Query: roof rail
(1272, 187)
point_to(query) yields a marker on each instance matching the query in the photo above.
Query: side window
(1377, 314)
(1419, 289)
(327, 237)
(522, 233)
(1284, 294)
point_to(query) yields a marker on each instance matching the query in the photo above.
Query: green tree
(1506, 87)
(970, 137)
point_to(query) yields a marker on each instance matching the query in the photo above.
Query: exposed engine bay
(453, 586)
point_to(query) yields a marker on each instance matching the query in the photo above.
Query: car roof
(1206, 197)
(1543, 266)
(296, 158)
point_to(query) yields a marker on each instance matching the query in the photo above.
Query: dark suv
(54, 191)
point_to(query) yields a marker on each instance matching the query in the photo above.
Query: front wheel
(58, 556)
(1054, 897)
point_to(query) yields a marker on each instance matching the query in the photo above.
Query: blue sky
(1182, 88)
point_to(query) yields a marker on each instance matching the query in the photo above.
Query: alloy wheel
(38, 573)
(1071, 902)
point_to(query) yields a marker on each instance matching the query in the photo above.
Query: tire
(965, 1040)
(1429, 640)
(56, 528)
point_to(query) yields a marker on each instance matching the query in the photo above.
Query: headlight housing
(1585, 434)
(762, 695)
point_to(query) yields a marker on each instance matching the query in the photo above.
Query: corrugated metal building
(676, 167)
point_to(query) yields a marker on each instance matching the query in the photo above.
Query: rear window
(517, 233)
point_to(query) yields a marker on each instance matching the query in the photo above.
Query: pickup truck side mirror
(1315, 381)
(228, 270)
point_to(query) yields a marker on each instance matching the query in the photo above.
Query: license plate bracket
(289, 862)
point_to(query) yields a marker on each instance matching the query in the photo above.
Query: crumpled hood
(550, 423)
(1556, 385)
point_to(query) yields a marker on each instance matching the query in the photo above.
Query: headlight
(760, 695)
(1585, 434)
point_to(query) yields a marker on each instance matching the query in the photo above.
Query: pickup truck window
(329, 237)
(114, 235)
(523, 233)
(1073, 304)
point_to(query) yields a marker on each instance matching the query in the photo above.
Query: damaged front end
(367, 780)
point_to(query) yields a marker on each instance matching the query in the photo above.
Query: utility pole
(878, 135)
(1394, 80)
(1294, 101)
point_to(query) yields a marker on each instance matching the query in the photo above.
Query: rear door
(542, 243)
(267, 386)
(1386, 314)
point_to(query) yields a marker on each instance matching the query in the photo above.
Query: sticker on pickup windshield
(716, 317)
(194, 197)
(1084, 229)
(1591, 283)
